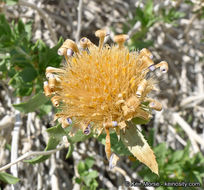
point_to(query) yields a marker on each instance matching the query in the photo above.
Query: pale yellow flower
(102, 87)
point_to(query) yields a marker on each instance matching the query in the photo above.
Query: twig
(54, 179)
(184, 79)
(192, 100)
(39, 177)
(31, 153)
(6, 122)
(70, 21)
(107, 182)
(134, 29)
(58, 18)
(14, 144)
(15, 139)
(80, 6)
(101, 155)
(185, 126)
(199, 78)
(64, 175)
(43, 15)
(156, 125)
(178, 3)
(177, 136)
(122, 172)
(129, 171)
(187, 29)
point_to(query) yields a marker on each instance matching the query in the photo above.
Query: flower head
(102, 87)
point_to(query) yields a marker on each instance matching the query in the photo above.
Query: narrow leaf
(139, 121)
(32, 104)
(81, 167)
(148, 8)
(55, 133)
(11, 2)
(52, 143)
(138, 146)
(8, 178)
(70, 150)
(28, 74)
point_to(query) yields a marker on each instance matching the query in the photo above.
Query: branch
(184, 143)
(31, 153)
(186, 127)
(134, 29)
(43, 15)
(15, 139)
(187, 29)
(80, 6)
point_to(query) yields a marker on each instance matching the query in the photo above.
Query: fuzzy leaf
(138, 146)
(78, 137)
(70, 150)
(81, 167)
(52, 143)
(11, 2)
(8, 178)
(89, 177)
(28, 74)
(89, 162)
(32, 104)
(55, 133)
(139, 121)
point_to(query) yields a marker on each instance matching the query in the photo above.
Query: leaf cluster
(148, 17)
(22, 61)
(87, 176)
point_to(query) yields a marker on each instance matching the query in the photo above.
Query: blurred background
(31, 33)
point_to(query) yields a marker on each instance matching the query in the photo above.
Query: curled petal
(85, 43)
(147, 62)
(65, 122)
(146, 52)
(120, 102)
(101, 34)
(114, 123)
(69, 120)
(152, 68)
(50, 70)
(61, 51)
(87, 130)
(113, 160)
(69, 52)
(55, 100)
(47, 90)
(110, 124)
(121, 39)
(141, 88)
(163, 65)
(155, 105)
(52, 82)
(69, 44)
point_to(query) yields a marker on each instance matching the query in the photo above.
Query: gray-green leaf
(32, 104)
(8, 178)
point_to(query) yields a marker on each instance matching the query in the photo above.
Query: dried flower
(104, 85)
